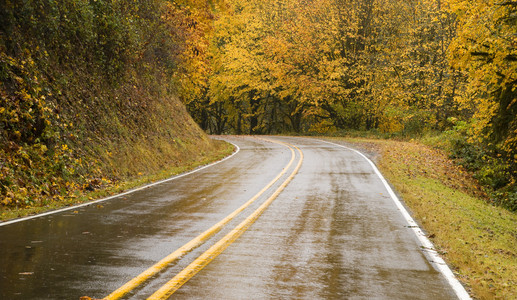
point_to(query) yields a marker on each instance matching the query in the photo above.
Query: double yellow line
(204, 259)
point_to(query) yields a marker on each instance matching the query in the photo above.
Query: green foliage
(489, 166)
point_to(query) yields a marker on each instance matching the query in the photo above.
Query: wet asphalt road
(333, 233)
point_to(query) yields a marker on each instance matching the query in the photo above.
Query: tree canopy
(397, 67)
(400, 67)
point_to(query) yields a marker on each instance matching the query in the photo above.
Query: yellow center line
(204, 259)
(194, 243)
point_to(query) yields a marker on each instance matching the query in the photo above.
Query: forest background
(443, 70)
(78, 76)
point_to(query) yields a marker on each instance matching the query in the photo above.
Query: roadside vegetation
(478, 240)
(95, 97)
(95, 92)
(89, 98)
(107, 188)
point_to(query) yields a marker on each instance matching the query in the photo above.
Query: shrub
(487, 162)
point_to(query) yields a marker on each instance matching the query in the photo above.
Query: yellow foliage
(390, 125)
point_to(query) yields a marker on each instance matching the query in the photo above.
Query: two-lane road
(333, 232)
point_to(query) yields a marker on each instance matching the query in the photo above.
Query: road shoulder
(475, 238)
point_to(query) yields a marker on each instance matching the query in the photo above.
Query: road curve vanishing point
(204, 259)
(175, 283)
(334, 232)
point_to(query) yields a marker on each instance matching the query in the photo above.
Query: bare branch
(508, 3)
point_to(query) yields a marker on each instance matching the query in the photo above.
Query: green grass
(478, 240)
(222, 150)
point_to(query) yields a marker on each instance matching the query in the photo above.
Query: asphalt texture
(332, 233)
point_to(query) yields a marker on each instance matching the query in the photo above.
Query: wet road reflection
(333, 233)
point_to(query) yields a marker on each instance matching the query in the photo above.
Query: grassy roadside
(478, 240)
(107, 188)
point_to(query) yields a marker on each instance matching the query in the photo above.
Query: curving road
(332, 232)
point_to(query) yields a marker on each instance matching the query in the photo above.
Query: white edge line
(124, 193)
(433, 256)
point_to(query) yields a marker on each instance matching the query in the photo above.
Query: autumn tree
(486, 49)
(416, 81)
(332, 64)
